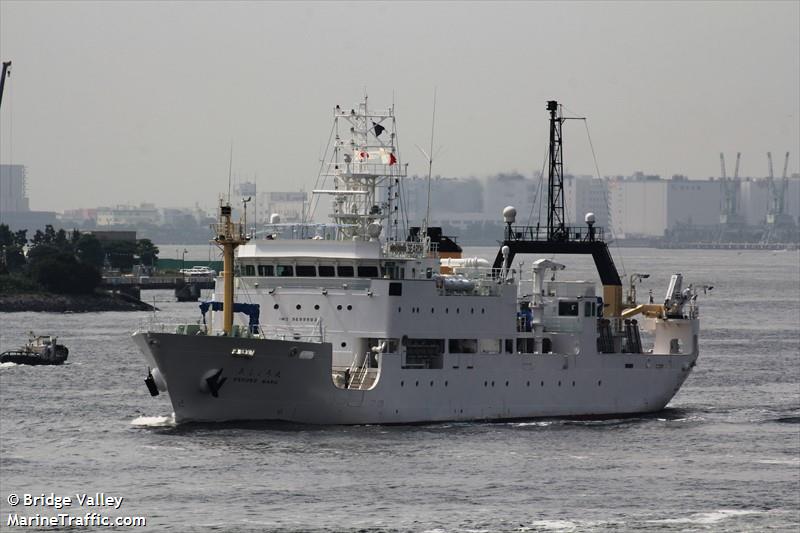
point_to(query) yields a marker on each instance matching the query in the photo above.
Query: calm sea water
(724, 456)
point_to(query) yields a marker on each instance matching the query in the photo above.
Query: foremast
(228, 235)
(365, 169)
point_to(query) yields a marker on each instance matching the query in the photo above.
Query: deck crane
(6, 72)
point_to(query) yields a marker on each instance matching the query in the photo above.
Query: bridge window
(587, 309)
(567, 308)
(284, 271)
(327, 271)
(367, 272)
(395, 288)
(249, 270)
(345, 271)
(308, 271)
(266, 270)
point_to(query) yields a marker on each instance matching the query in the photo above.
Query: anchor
(215, 383)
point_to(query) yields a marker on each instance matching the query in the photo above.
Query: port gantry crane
(731, 222)
(780, 227)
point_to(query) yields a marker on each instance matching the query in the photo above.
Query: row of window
(316, 307)
(312, 271)
(446, 310)
(469, 346)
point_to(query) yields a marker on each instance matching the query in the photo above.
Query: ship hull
(284, 380)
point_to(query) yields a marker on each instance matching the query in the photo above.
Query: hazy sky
(113, 102)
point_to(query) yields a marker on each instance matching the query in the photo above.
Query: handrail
(569, 233)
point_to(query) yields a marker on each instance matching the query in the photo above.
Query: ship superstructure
(361, 322)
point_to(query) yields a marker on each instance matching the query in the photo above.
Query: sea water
(724, 455)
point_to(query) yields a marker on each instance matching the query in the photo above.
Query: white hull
(278, 384)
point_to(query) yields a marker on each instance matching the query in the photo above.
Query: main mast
(556, 229)
(365, 160)
(559, 238)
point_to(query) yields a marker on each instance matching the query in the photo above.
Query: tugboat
(39, 350)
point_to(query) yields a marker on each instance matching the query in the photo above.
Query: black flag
(378, 129)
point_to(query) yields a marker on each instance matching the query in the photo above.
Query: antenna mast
(230, 172)
(556, 230)
(430, 170)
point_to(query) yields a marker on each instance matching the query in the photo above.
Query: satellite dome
(509, 214)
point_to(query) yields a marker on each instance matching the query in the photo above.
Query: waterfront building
(15, 208)
(648, 205)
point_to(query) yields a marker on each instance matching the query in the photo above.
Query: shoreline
(70, 303)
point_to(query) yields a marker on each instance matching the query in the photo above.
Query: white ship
(359, 324)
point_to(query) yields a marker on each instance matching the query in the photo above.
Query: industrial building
(15, 208)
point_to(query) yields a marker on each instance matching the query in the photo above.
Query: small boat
(198, 271)
(39, 350)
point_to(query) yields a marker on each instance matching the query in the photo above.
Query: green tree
(6, 237)
(40, 252)
(147, 252)
(49, 234)
(38, 238)
(12, 258)
(120, 254)
(89, 250)
(62, 273)
(20, 237)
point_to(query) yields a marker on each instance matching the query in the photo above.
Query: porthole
(344, 344)
(416, 383)
(542, 383)
(431, 383)
(445, 383)
(528, 384)
(559, 383)
(316, 307)
(492, 383)
(402, 383)
(339, 307)
(485, 383)
(399, 309)
(349, 307)
(275, 306)
(599, 383)
(458, 311)
(446, 310)
(573, 383)
(472, 310)
(506, 383)
(483, 311)
(431, 310)
(298, 307)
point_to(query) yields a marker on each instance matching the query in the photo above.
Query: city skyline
(113, 103)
